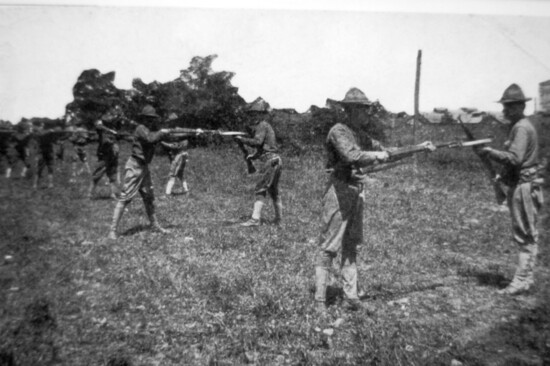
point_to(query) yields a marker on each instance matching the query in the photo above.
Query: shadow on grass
(136, 229)
(519, 340)
(486, 278)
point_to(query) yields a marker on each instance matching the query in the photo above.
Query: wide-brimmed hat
(355, 96)
(149, 111)
(513, 94)
(258, 106)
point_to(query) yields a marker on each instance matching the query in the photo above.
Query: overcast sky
(292, 58)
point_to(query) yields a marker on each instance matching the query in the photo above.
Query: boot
(256, 215)
(155, 226)
(117, 215)
(91, 190)
(50, 180)
(114, 191)
(278, 206)
(73, 173)
(522, 278)
(8, 173)
(184, 187)
(35, 181)
(170, 185)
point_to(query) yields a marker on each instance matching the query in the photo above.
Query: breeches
(342, 218)
(269, 176)
(525, 201)
(177, 165)
(137, 178)
(106, 165)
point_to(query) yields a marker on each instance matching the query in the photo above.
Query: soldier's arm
(516, 150)
(349, 152)
(259, 137)
(143, 133)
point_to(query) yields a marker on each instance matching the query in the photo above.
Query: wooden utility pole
(416, 98)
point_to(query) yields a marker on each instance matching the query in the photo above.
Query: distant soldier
(43, 151)
(177, 153)
(137, 177)
(5, 141)
(79, 139)
(21, 146)
(271, 164)
(107, 155)
(520, 158)
(342, 211)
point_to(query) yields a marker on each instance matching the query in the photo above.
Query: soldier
(267, 153)
(21, 146)
(107, 157)
(79, 140)
(342, 212)
(137, 177)
(177, 153)
(520, 158)
(45, 141)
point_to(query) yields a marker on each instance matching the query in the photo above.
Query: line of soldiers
(343, 200)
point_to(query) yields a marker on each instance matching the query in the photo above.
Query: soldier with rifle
(342, 211)
(107, 155)
(137, 178)
(520, 161)
(79, 140)
(267, 153)
(45, 140)
(21, 145)
(177, 153)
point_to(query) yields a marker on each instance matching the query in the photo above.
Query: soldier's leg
(323, 263)
(255, 220)
(117, 216)
(275, 197)
(98, 173)
(184, 186)
(147, 194)
(170, 185)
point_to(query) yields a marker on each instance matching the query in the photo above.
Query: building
(544, 95)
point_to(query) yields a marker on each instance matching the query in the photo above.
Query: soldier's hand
(485, 150)
(249, 157)
(428, 145)
(165, 131)
(381, 155)
(199, 131)
(238, 138)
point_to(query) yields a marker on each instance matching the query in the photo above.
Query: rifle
(249, 165)
(400, 153)
(500, 195)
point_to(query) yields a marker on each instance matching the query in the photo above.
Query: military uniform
(520, 160)
(107, 158)
(137, 178)
(79, 140)
(342, 205)
(21, 150)
(269, 174)
(177, 153)
(45, 141)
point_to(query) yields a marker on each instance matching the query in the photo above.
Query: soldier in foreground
(137, 177)
(520, 158)
(342, 212)
(177, 153)
(267, 152)
(107, 157)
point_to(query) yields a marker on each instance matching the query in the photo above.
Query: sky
(292, 56)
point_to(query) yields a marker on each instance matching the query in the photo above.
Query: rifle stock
(500, 195)
(249, 165)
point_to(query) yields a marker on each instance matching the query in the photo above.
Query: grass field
(214, 293)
